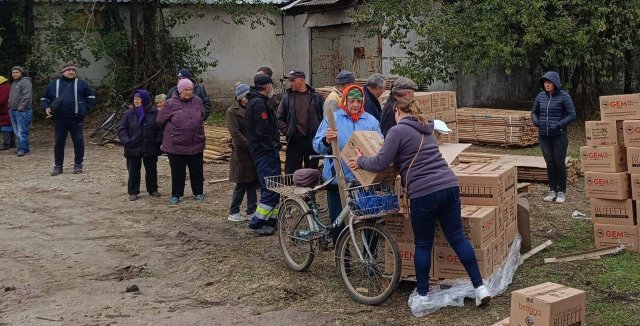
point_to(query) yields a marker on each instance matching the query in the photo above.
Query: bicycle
(367, 256)
(107, 129)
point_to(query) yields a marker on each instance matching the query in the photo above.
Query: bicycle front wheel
(372, 279)
(295, 235)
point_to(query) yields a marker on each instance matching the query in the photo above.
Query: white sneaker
(236, 218)
(418, 303)
(482, 295)
(561, 198)
(551, 196)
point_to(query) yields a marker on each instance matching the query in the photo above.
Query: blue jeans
(442, 206)
(62, 127)
(21, 122)
(554, 150)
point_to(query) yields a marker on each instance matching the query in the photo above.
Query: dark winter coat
(76, 98)
(5, 88)
(199, 91)
(552, 113)
(140, 138)
(21, 96)
(183, 125)
(262, 125)
(372, 104)
(241, 169)
(388, 118)
(287, 114)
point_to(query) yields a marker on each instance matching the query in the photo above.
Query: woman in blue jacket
(552, 113)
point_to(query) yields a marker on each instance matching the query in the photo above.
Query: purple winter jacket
(182, 121)
(429, 172)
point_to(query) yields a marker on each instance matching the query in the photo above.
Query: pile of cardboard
(496, 127)
(611, 162)
(546, 304)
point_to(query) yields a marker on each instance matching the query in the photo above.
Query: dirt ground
(71, 245)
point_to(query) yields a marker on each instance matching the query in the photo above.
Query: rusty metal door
(338, 47)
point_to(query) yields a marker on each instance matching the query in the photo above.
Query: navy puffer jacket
(552, 112)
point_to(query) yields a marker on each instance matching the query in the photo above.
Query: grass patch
(621, 274)
(217, 119)
(612, 313)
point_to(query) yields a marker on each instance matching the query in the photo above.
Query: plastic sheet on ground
(454, 295)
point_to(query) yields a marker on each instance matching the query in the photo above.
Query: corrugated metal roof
(309, 3)
(198, 1)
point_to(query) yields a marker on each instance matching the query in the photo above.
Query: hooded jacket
(21, 96)
(5, 89)
(182, 124)
(429, 172)
(287, 114)
(140, 138)
(263, 136)
(76, 98)
(552, 112)
(199, 91)
(388, 117)
(346, 126)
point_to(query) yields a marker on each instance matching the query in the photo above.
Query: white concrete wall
(297, 42)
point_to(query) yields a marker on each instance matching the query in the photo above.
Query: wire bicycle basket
(283, 184)
(374, 200)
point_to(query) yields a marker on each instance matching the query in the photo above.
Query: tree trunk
(135, 39)
(628, 72)
(112, 7)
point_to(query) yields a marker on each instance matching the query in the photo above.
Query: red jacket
(5, 88)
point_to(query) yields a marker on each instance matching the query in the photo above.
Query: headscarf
(353, 92)
(144, 96)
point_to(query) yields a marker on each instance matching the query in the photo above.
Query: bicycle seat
(307, 178)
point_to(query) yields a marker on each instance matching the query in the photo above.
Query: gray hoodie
(21, 96)
(429, 172)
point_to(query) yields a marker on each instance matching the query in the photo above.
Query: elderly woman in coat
(241, 170)
(183, 140)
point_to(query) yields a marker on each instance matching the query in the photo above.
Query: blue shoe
(200, 198)
(174, 200)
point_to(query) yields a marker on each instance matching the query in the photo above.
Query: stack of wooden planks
(496, 127)
(218, 145)
(530, 168)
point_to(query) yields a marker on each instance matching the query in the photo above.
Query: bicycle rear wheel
(295, 235)
(372, 279)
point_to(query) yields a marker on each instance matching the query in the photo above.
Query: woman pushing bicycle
(433, 192)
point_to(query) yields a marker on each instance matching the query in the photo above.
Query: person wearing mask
(350, 117)
(552, 113)
(372, 91)
(8, 137)
(159, 101)
(274, 101)
(183, 139)
(344, 79)
(402, 87)
(263, 139)
(67, 100)
(20, 108)
(241, 169)
(141, 138)
(299, 116)
(198, 90)
(433, 192)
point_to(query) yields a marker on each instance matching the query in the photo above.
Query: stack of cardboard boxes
(611, 162)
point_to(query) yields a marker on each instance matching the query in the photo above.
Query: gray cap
(345, 77)
(293, 74)
(18, 68)
(403, 83)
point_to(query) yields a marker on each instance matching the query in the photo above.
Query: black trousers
(299, 148)
(250, 188)
(62, 127)
(554, 150)
(179, 165)
(134, 165)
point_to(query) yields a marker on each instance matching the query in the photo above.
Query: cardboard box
(616, 212)
(447, 265)
(369, 142)
(504, 322)
(485, 184)
(631, 133)
(604, 133)
(507, 211)
(399, 225)
(606, 235)
(510, 234)
(499, 250)
(548, 304)
(451, 137)
(635, 186)
(607, 185)
(603, 159)
(407, 252)
(620, 107)
(633, 159)
(479, 225)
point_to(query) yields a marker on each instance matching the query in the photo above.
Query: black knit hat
(262, 79)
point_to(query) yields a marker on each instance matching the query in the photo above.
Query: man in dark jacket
(8, 137)
(141, 137)
(20, 108)
(299, 115)
(274, 101)
(552, 113)
(402, 87)
(372, 91)
(68, 100)
(264, 145)
(198, 90)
